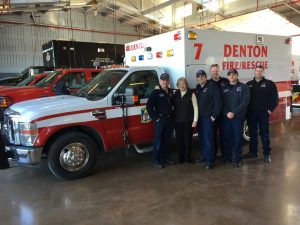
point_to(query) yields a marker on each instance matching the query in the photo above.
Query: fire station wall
(21, 45)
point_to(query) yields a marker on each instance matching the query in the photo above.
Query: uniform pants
(233, 138)
(259, 120)
(219, 128)
(162, 136)
(206, 133)
(184, 137)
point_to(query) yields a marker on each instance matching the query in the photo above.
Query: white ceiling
(160, 15)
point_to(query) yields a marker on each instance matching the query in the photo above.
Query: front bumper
(24, 155)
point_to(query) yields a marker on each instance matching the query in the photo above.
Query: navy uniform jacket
(160, 103)
(264, 95)
(221, 83)
(235, 99)
(209, 99)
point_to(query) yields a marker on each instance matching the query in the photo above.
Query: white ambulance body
(181, 53)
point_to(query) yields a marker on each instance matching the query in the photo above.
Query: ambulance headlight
(28, 133)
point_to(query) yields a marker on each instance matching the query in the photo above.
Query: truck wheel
(72, 156)
(246, 134)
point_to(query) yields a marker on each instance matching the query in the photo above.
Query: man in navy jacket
(264, 99)
(160, 107)
(236, 97)
(210, 105)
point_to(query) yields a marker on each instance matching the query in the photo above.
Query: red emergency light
(159, 54)
(177, 36)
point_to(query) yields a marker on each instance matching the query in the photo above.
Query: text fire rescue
(249, 51)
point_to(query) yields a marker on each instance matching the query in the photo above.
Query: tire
(61, 155)
(246, 134)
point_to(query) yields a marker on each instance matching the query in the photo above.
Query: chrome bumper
(24, 155)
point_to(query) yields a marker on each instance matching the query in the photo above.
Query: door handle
(99, 114)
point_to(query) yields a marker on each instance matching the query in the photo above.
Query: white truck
(110, 111)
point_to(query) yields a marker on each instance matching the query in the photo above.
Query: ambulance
(110, 113)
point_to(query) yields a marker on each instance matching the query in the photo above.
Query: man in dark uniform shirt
(236, 98)
(220, 82)
(264, 99)
(160, 108)
(210, 105)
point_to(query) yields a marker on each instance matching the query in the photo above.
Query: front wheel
(72, 156)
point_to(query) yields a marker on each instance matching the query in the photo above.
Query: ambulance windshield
(101, 85)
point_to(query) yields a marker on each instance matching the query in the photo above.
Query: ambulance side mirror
(129, 98)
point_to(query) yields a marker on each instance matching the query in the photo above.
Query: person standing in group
(220, 82)
(210, 105)
(160, 108)
(186, 118)
(264, 99)
(236, 98)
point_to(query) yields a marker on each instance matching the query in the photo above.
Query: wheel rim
(74, 157)
(246, 133)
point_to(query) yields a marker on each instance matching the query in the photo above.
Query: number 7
(198, 51)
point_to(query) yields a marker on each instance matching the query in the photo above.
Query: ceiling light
(78, 3)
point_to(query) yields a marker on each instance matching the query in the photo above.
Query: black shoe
(209, 166)
(250, 155)
(169, 162)
(158, 166)
(238, 164)
(267, 159)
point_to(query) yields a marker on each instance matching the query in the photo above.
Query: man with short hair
(220, 82)
(236, 97)
(264, 99)
(160, 107)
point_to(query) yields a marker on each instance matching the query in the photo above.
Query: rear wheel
(246, 134)
(72, 156)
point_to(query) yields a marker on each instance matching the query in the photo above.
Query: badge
(239, 89)
(161, 95)
(145, 118)
(225, 90)
(250, 86)
(204, 90)
(263, 85)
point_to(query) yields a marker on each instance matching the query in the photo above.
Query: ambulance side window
(144, 81)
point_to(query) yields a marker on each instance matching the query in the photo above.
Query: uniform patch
(263, 85)
(225, 90)
(161, 95)
(239, 89)
(250, 85)
(204, 90)
(145, 118)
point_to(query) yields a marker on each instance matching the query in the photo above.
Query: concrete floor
(127, 190)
